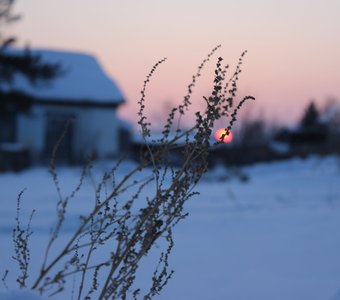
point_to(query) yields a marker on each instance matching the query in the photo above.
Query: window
(7, 127)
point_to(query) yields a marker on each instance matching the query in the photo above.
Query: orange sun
(227, 138)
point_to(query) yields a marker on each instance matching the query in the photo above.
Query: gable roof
(82, 80)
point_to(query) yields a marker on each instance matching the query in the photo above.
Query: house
(83, 96)
(303, 141)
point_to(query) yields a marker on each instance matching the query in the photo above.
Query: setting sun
(220, 132)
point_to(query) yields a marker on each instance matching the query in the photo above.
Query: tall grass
(133, 213)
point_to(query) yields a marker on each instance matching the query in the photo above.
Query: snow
(20, 295)
(274, 236)
(83, 79)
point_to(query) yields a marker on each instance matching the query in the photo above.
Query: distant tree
(27, 64)
(252, 133)
(6, 17)
(330, 113)
(311, 116)
(12, 63)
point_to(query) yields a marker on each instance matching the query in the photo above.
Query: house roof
(82, 80)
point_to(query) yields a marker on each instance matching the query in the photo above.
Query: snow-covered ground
(273, 237)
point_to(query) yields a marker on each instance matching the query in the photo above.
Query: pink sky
(293, 46)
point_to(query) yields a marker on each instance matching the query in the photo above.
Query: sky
(293, 47)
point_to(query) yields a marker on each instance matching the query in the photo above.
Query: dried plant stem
(131, 214)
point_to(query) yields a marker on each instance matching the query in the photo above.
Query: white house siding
(98, 132)
(30, 131)
(95, 131)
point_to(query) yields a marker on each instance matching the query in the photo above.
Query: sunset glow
(220, 132)
(287, 64)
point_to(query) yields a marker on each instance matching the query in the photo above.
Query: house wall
(30, 131)
(95, 130)
(98, 132)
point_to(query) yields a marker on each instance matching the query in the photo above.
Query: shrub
(132, 213)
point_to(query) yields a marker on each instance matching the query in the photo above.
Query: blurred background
(293, 46)
(292, 63)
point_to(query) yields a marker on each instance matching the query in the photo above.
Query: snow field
(273, 237)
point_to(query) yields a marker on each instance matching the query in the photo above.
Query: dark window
(124, 140)
(7, 127)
